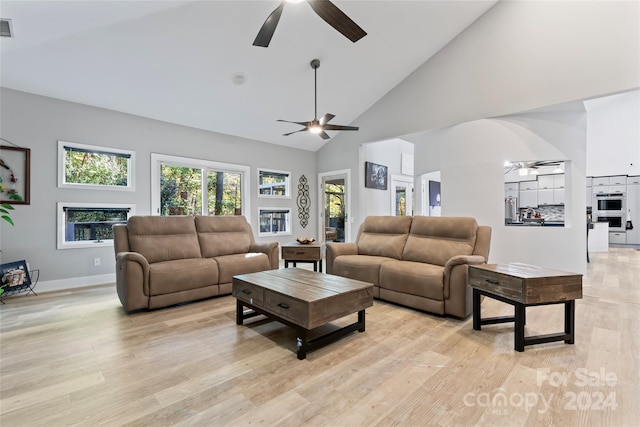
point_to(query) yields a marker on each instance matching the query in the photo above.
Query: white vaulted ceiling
(174, 61)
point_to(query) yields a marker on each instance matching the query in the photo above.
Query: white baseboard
(75, 282)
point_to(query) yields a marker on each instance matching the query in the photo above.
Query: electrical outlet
(96, 262)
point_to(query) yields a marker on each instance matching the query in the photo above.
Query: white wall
(613, 135)
(519, 56)
(473, 156)
(386, 153)
(38, 122)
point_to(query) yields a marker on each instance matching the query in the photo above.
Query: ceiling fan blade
(324, 135)
(339, 127)
(337, 19)
(326, 118)
(306, 124)
(269, 27)
(295, 131)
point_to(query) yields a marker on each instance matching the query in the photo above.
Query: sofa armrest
(132, 280)
(269, 248)
(335, 249)
(456, 261)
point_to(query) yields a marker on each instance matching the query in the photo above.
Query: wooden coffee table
(523, 285)
(303, 300)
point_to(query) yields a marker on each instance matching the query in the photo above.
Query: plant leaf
(7, 206)
(8, 219)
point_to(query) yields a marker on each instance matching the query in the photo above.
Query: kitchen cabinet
(589, 181)
(528, 198)
(528, 185)
(589, 196)
(633, 179)
(545, 196)
(618, 180)
(633, 204)
(618, 237)
(600, 181)
(551, 189)
(511, 189)
(545, 182)
(609, 184)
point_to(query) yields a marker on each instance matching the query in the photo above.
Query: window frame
(61, 224)
(288, 222)
(287, 184)
(158, 159)
(131, 186)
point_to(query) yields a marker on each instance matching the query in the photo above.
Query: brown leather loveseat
(419, 261)
(166, 260)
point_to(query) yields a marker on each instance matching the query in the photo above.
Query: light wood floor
(77, 359)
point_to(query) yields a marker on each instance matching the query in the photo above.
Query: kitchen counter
(537, 223)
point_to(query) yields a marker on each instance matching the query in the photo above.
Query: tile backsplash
(551, 212)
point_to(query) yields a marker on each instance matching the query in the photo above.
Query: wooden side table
(523, 285)
(310, 253)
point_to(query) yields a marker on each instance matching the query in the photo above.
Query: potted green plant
(4, 210)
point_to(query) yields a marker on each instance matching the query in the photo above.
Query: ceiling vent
(6, 29)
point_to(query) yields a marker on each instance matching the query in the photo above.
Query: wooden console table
(523, 285)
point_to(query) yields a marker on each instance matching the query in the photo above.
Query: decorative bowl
(305, 240)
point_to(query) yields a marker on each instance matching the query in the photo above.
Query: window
(274, 221)
(94, 167)
(87, 225)
(184, 186)
(274, 184)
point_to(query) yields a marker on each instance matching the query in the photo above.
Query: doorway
(402, 195)
(335, 206)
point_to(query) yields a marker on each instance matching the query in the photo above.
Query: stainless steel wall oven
(613, 203)
(616, 222)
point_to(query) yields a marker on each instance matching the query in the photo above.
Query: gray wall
(37, 123)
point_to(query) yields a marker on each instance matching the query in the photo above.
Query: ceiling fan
(325, 9)
(318, 126)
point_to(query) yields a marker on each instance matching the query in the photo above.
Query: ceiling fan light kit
(318, 126)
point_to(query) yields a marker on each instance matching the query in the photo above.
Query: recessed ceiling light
(239, 78)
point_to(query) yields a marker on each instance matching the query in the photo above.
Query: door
(335, 203)
(401, 195)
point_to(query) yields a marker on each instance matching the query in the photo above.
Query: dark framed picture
(375, 176)
(15, 175)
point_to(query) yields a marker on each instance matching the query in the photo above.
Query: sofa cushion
(383, 236)
(359, 267)
(160, 238)
(223, 235)
(231, 265)
(435, 240)
(167, 277)
(414, 278)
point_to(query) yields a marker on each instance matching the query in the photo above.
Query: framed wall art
(375, 176)
(15, 175)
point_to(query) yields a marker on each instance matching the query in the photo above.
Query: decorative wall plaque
(303, 201)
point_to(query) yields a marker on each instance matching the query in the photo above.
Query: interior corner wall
(38, 122)
(518, 56)
(473, 156)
